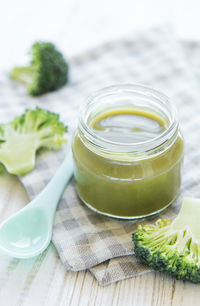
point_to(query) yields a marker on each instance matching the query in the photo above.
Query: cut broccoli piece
(173, 246)
(47, 72)
(21, 138)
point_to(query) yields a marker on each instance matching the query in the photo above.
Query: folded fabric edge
(106, 281)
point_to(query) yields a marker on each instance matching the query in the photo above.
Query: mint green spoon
(28, 232)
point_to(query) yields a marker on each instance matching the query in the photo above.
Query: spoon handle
(53, 191)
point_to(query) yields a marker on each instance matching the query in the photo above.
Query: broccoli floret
(21, 138)
(47, 71)
(173, 246)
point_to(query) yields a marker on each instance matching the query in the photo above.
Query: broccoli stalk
(21, 138)
(173, 247)
(24, 75)
(47, 71)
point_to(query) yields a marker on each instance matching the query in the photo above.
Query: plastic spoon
(28, 232)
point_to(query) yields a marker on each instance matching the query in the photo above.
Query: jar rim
(135, 147)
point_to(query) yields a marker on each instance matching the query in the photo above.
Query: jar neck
(128, 97)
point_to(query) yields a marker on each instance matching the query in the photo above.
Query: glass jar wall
(128, 152)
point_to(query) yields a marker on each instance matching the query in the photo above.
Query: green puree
(123, 185)
(128, 126)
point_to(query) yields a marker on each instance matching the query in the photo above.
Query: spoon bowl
(28, 232)
(25, 234)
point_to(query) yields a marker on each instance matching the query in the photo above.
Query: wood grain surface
(43, 280)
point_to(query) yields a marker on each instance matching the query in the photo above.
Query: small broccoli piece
(47, 72)
(173, 246)
(21, 138)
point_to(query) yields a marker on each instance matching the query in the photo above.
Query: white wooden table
(75, 26)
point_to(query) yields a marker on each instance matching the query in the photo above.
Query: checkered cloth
(83, 239)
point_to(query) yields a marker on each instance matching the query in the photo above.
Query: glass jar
(127, 180)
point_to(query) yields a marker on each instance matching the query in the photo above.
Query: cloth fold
(84, 239)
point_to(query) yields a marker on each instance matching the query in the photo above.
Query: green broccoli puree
(126, 187)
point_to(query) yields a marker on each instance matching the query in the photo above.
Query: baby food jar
(127, 152)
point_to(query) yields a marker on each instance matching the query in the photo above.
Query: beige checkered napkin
(118, 269)
(83, 239)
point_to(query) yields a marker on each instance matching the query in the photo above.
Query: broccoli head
(47, 71)
(173, 246)
(21, 138)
